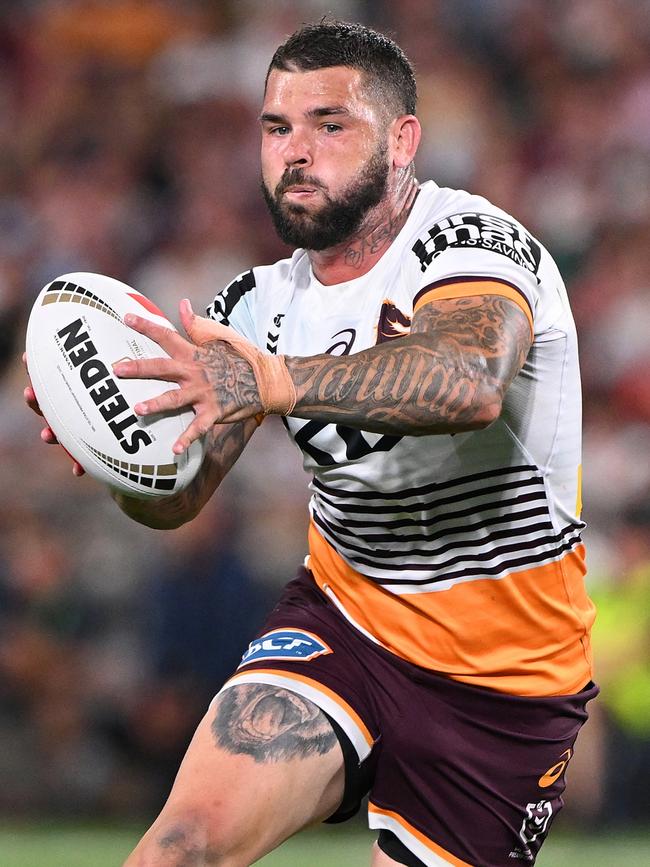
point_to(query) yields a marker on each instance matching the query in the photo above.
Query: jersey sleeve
(474, 254)
(233, 306)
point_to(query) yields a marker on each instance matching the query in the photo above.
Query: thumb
(201, 330)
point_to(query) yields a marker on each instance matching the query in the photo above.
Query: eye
(332, 127)
(278, 130)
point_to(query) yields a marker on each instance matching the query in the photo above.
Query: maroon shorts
(456, 774)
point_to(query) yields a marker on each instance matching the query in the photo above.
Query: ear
(405, 135)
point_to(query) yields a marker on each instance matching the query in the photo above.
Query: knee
(187, 840)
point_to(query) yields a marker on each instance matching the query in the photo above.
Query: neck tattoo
(372, 242)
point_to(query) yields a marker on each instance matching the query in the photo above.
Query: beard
(339, 218)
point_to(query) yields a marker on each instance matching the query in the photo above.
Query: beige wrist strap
(277, 391)
(274, 384)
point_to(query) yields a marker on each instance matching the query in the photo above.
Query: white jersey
(459, 552)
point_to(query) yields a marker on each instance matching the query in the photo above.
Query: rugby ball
(75, 333)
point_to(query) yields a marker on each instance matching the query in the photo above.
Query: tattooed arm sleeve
(224, 444)
(448, 375)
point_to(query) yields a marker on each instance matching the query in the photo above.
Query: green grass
(67, 846)
(52, 846)
(620, 850)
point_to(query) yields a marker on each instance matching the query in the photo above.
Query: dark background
(129, 146)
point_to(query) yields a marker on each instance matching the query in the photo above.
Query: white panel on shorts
(379, 821)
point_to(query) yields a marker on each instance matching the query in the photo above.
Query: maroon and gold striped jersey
(461, 553)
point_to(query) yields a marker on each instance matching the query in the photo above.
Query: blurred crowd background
(129, 146)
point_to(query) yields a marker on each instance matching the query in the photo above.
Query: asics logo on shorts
(288, 644)
(556, 771)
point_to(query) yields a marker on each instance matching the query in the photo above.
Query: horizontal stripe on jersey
(533, 550)
(483, 525)
(525, 632)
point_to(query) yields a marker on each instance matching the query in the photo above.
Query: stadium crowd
(129, 146)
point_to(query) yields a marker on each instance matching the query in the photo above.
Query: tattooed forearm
(270, 724)
(449, 374)
(224, 444)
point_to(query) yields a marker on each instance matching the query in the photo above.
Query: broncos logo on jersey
(392, 323)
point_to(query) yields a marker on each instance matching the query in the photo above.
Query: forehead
(300, 91)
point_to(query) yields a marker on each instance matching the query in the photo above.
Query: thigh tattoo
(270, 724)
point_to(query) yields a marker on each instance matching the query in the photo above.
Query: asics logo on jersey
(556, 771)
(481, 231)
(343, 344)
(287, 644)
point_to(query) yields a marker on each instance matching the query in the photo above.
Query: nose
(297, 151)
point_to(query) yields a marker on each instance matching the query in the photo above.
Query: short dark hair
(340, 43)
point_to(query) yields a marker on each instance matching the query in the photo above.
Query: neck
(357, 255)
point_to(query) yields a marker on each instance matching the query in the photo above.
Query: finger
(30, 400)
(48, 436)
(77, 469)
(171, 341)
(199, 427)
(168, 369)
(169, 401)
(187, 317)
(199, 329)
(205, 421)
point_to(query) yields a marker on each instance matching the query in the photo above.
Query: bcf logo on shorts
(287, 644)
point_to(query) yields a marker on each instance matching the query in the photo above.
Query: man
(434, 651)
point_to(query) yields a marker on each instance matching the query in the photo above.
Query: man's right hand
(47, 434)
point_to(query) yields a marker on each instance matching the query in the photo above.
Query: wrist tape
(274, 384)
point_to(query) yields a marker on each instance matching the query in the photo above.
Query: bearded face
(341, 215)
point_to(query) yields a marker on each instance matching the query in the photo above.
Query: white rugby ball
(75, 333)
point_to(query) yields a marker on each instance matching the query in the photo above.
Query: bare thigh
(381, 859)
(263, 763)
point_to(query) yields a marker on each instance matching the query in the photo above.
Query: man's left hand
(214, 378)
